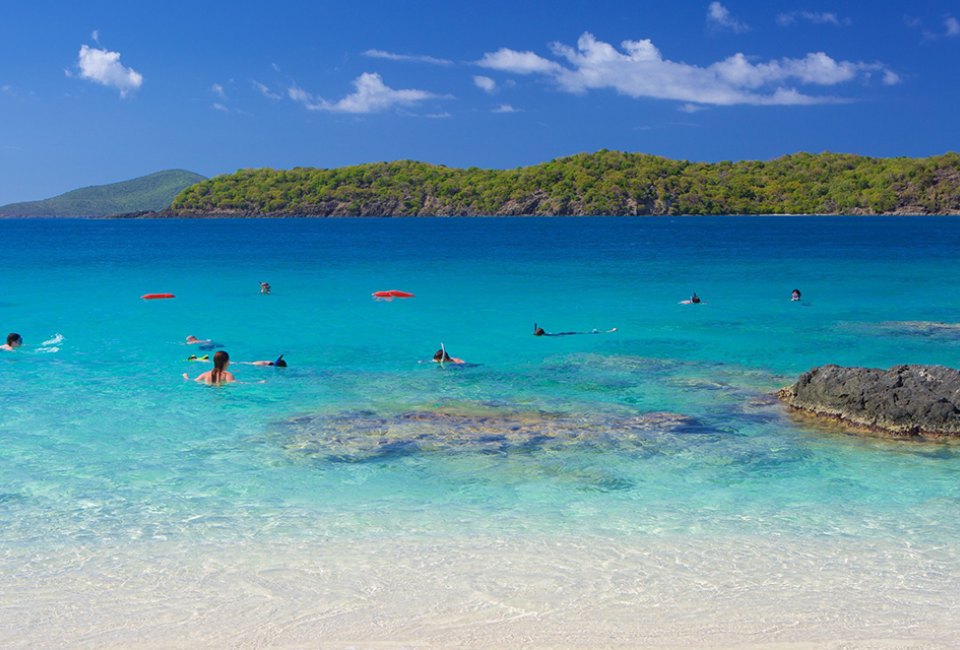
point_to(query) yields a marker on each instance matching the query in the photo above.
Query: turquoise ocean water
(555, 484)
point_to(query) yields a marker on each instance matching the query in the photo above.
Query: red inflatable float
(391, 294)
(157, 296)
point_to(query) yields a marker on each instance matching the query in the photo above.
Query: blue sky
(100, 91)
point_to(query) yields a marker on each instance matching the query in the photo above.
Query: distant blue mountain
(146, 193)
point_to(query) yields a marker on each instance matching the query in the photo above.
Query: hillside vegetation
(146, 193)
(602, 183)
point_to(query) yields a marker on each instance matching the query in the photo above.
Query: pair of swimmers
(221, 361)
(219, 374)
(14, 341)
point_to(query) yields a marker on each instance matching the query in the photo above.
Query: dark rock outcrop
(904, 401)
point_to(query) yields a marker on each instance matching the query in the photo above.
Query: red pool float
(157, 296)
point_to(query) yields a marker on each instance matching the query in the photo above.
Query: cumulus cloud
(103, 67)
(509, 60)
(486, 84)
(407, 58)
(952, 26)
(638, 69)
(371, 95)
(812, 17)
(719, 16)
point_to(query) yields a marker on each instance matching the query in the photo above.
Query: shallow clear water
(653, 453)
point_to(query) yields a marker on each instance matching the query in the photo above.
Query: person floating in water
(14, 341)
(264, 288)
(539, 331)
(219, 374)
(205, 344)
(441, 357)
(194, 357)
(795, 295)
(279, 362)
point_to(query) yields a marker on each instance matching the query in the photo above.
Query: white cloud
(952, 25)
(371, 96)
(638, 69)
(486, 84)
(95, 35)
(217, 106)
(104, 67)
(509, 60)
(265, 90)
(719, 16)
(890, 78)
(438, 116)
(217, 90)
(691, 108)
(505, 108)
(409, 58)
(812, 17)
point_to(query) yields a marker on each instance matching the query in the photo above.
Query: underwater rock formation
(361, 435)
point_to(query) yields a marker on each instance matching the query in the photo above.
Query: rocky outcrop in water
(904, 401)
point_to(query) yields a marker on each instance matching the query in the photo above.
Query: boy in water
(14, 341)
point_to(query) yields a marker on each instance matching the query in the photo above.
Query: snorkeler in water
(279, 362)
(203, 344)
(441, 357)
(539, 331)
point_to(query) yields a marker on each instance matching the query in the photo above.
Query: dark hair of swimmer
(13, 337)
(441, 355)
(694, 297)
(280, 363)
(538, 331)
(220, 361)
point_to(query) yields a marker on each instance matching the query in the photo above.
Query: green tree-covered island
(602, 183)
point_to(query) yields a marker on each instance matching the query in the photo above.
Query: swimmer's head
(192, 338)
(14, 340)
(441, 355)
(280, 363)
(221, 359)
